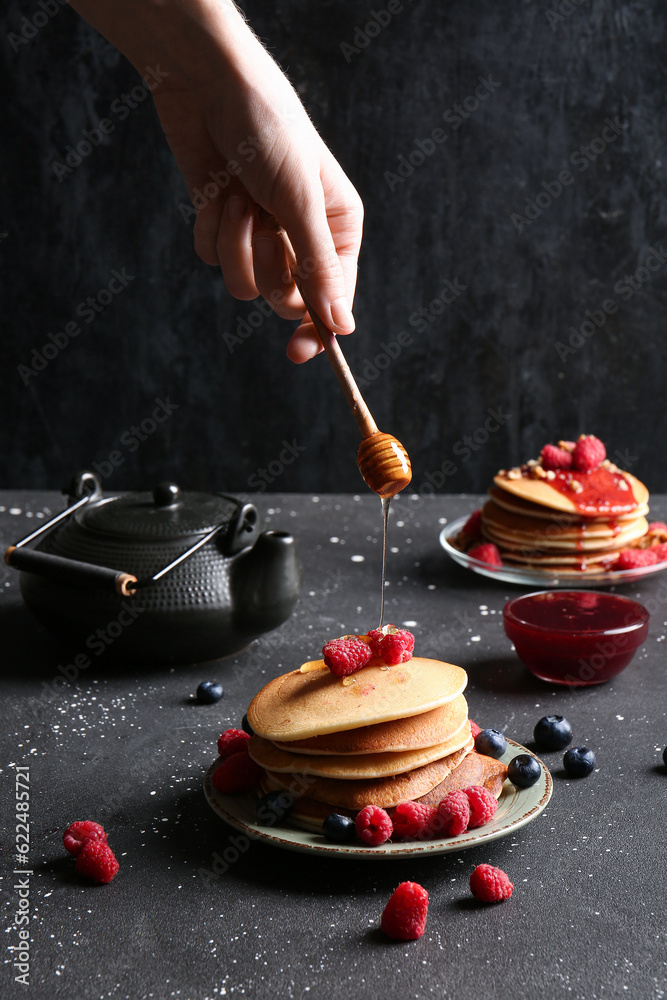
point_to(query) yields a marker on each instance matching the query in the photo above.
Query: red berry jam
(575, 637)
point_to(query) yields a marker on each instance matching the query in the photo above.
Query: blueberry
(339, 828)
(553, 732)
(274, 807)
(664, 756)
(579, 762)
(524, 770)
(209, 692)
(491, 743)
(246, 727)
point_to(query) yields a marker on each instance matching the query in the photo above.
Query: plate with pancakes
(381, 736)
(545, 525)
(562, 576)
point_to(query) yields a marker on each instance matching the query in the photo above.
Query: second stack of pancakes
(539, 520)
(382, 736)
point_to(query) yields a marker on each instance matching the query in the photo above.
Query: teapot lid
(166, 513)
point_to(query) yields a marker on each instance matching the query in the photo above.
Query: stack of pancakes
(538, 523)
(382, 736)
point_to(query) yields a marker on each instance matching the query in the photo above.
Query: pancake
(273, 758)
(384, 792)
(516, 505)
(416, 731)
(300, 705)
(514, 532)
(539, 491)
(475, 769)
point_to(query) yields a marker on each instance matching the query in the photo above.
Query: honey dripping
(385, 518)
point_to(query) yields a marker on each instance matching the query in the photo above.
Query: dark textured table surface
(128, 747)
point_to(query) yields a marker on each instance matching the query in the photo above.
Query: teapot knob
(166, 494)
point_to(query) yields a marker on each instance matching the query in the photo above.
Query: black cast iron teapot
(168, 576)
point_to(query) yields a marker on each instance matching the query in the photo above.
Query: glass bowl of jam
(575, 637)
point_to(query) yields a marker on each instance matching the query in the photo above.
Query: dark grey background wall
(555, 324)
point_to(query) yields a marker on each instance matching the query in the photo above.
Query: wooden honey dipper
(383, 461)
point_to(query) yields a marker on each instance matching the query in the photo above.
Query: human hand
(228, 112)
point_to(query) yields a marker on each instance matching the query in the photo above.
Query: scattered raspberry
(373, 825)
(588, 453)
(658, 526)
(483, 805)
(474, 728)
(633, 558)
(473, 526)
(393, 646)
(232, 741)
(344, 656)
(487, 553)
(238, 773)
(555, 458)
(660, 551)
(96, 861)
(404, 916)
(490, 884)
(415, 821)
(454, 811)
(76, 835)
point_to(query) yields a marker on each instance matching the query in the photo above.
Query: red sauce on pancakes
(600, 492)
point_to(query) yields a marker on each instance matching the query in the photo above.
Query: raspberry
(454, 812)
(238, 773)
(344, 656)
(77, 834)
(394, 646)
(660, 551)
(96, 861)
(633, 558)
(404, 916)
(483, 805)
(473, 526)
(588, 453)
(373, 825)
(414, 821)
(474, 729)
(657, 526)
(232, 741)
(487, 553)
(490, 884)
(555, 458)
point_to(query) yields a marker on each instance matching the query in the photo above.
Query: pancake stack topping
(570, 511)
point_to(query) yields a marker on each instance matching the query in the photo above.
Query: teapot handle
(84, 487)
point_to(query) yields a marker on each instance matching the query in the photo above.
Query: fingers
(326, 237)
(234, 248)
(304, 344)
(272, 274)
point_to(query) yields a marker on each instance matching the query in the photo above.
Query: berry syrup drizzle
(598, 492)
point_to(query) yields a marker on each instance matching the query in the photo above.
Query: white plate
(516, 807)
(541, 577)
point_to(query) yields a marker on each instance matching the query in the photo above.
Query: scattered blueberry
(246, 727)
(274, 807)
(491, 743)
(209, 692)
(339, 828)
(579, 762)
(553, 732)
(664, 756)
(523, 770)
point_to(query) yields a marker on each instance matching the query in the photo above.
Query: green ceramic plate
(516, 807)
